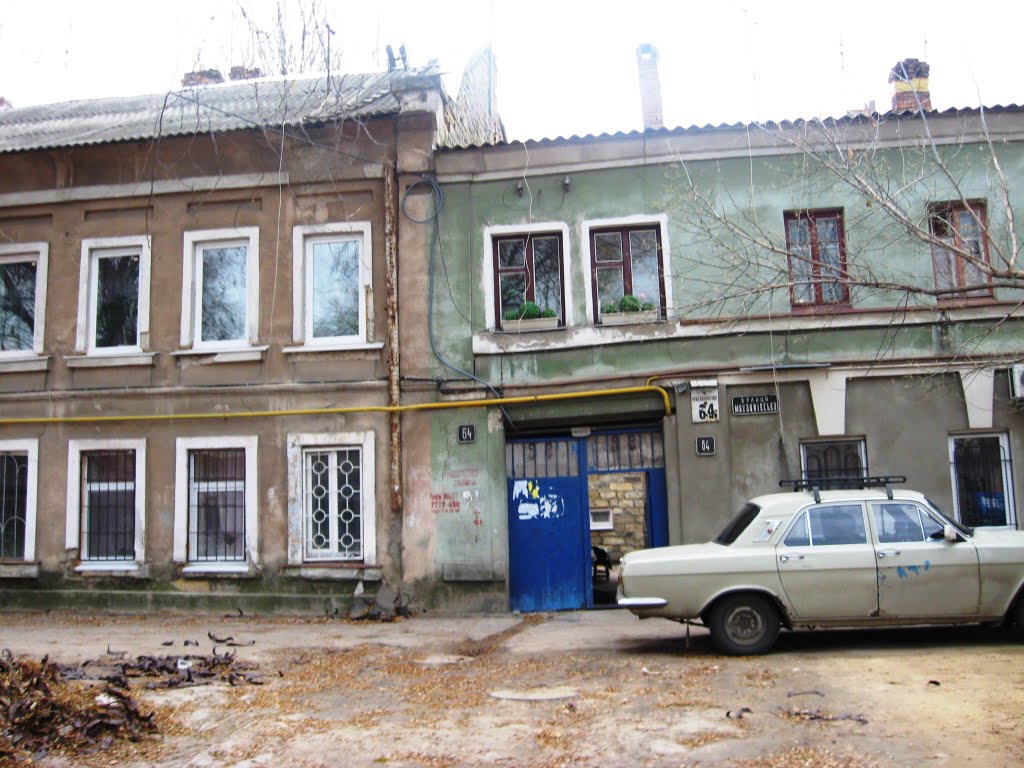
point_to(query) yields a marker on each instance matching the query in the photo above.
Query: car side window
(902, 522)
(828, 525)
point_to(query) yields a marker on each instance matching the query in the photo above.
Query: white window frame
(31, 450)
(73, 513)
(605, 525)
(660, 220)
(192, 288)
(1006, 468)
(94, 249)
(183, 445)
(501, 230)
(303, 238)
(12, 253)
(297, 445)
(862, 449)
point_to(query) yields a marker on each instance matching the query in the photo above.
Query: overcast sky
(563, 67)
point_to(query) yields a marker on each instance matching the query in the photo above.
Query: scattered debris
(488, 645)
(386, 605)
(166, 671)
(167, 643)
(934, 682)
(805, 693)
(118, 654)
(40, 712)
(187, 643)
(820, 716)
(737, 714)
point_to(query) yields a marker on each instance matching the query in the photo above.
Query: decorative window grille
(216, 505)
(834, 458)
(13, 505)
(333, 503)
(108, 505)
(982, 479)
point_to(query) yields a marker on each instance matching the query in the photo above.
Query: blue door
(547, 571)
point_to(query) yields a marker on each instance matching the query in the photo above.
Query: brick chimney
(245, 73)
(650, 86)
(910, 93)
(202, 77)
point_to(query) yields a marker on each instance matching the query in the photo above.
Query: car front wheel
(744, 624)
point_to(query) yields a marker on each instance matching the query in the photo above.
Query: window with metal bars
(13, 505)
(216, 505)
(834, 459)
(333, 503)
(108, 505)
(982, 479)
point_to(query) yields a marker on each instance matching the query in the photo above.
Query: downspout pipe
(393, 360)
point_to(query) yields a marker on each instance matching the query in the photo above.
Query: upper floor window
(627, 270)
(220, 289)
(528, 283)
(817, 258)
(22, 298)
(960, 263)
(331, 283)
(113, 304)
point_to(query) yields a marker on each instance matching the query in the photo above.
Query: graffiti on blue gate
(530, 504)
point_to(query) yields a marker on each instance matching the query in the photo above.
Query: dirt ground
(584, 689)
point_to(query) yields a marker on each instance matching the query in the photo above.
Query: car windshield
(966, 530)
(738, 524)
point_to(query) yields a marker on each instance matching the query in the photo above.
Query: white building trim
(94, 249)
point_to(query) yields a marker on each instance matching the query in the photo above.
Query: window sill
(240, 355)
(821, 309)
(630, 318)
(19, 570)
(335, 571)
(356, 346)
(24, 364)
(238, 570)
(112, 568)
(110, 361)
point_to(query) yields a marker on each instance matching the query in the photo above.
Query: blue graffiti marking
(900, 572)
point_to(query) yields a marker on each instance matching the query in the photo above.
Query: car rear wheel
(744, 624)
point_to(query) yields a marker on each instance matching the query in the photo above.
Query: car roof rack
(818, 484)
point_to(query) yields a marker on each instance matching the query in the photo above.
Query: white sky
(564, 67)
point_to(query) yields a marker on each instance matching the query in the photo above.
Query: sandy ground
(592, 689)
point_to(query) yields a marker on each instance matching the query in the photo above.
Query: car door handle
(888, 553)
(787, 558)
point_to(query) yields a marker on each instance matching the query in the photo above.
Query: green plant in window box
(628, 309)
(530, 317)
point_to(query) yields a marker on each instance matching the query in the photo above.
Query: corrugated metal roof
(210, 109)
(682, 130)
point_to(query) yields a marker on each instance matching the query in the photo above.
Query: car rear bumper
(641, 602)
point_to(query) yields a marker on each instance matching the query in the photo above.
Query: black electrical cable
(434, 219)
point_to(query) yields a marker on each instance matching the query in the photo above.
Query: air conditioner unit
(1017, 382)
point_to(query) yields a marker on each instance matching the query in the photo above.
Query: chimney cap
(909, 69)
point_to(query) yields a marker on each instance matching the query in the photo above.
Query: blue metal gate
(549, 511)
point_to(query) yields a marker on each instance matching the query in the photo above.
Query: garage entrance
(572, 500)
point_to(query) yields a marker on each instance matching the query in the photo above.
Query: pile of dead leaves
(40, 712)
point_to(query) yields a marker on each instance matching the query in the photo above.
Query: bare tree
(295, 38)
(926, 216)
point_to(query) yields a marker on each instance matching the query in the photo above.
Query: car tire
(744, 624)
(1018, 618)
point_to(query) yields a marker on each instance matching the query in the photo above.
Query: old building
(691, 315)
(199, 360)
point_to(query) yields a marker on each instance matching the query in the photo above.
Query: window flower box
(629, 318)
(528, 325)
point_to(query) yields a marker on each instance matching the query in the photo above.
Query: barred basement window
(108, 505)
(833, 458)
(216, 505)
(13, 505)
(333, 503)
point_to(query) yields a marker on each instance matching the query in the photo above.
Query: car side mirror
(949, 533)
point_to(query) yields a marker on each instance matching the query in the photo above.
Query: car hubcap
(744, 625)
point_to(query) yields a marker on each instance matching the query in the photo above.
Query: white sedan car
(862, 557)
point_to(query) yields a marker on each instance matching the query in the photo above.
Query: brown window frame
(625, 263)
(945, 213)
(528, 270)
(816, 281)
